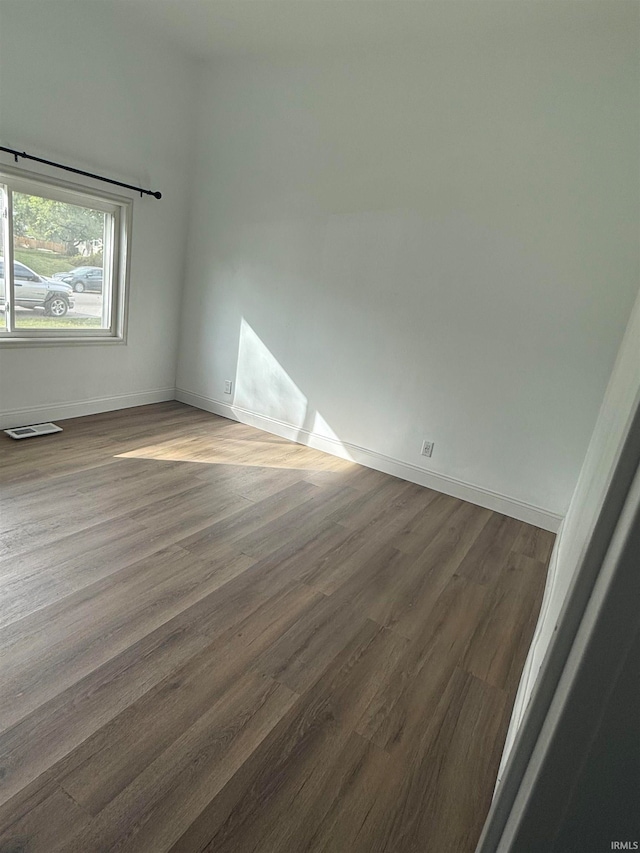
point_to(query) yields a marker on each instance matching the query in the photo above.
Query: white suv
(33, 291)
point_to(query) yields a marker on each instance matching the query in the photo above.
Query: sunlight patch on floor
(225, 451)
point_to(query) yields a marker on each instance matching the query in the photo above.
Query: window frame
(116, 277)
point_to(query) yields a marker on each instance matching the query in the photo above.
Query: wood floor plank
(397, 714)
(230, 642)
(349, 792)
(109, 485)
(444, 556)
(304, 651)
(484, 561)
(438, 793)
(162, 801)
(418, 532)
(394, 493)
(498, 649)
(535, 543)
(196, 501)
(243, 524)
(354, 551)
(275, 790)
(350, 474)
(38, 578)
(48, 734)
(111, 759)
(250, 481)
(47, 825)
(55, 647)
(306, 520)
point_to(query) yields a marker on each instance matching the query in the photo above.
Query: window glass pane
(62, 247)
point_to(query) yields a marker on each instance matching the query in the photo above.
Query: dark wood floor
(215, 640)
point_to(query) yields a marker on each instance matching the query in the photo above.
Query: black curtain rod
(26, 156)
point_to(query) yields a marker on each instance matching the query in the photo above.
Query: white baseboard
(439, 482)
(530, 671)
(60, 411)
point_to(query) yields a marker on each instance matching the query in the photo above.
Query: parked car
(33, 291)
(82, 278)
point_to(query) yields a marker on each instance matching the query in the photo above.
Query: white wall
(438, 246)
(618, 407)
(79, 87)
(620, 403)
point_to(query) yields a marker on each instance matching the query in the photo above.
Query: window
(63, 261)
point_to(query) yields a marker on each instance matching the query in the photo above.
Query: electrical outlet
(427, 448)
(228, 385)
